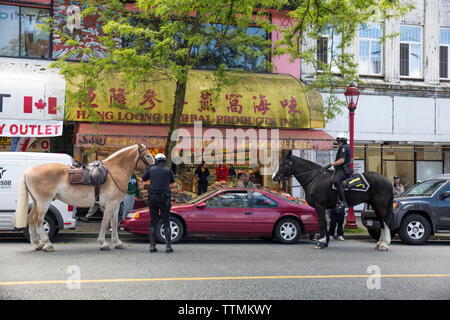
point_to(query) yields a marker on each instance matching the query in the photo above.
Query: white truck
(12, 165)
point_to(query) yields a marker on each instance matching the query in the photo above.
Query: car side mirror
(445, 195)
(201, 205)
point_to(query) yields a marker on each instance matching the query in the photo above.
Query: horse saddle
(356, 182)
(94, 174)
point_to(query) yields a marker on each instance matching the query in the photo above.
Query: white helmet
(160, 157)
(342, 136)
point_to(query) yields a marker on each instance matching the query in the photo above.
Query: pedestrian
(132, 191)
(159, 197)
(221, 172)
(398, 187)
(244, 181)
(337, 216)
(231, 172)
(202, 177)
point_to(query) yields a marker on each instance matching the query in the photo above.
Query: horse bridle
(143, 158)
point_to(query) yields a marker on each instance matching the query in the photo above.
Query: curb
(145, 237)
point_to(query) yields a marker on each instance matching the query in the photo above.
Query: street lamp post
(352, 97)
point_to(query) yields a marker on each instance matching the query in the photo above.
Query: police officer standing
(159, 197)
(342, 166)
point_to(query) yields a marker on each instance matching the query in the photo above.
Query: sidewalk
(91, 229)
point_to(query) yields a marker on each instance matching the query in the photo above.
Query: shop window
(370, 49)
(427, 169)
(411, 51)
(358, 153)
(429, 153)
(398, 153)
(443, 53)
(373, 158)
(403, 169)
(20, 36)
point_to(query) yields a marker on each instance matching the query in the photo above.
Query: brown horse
(47, 182)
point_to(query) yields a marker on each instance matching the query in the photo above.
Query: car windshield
(426, 188)
(200, 197)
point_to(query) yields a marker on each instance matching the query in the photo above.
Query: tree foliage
(173, 36)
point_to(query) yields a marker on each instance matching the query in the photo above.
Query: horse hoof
(49, 249)
(105, 248)
(321, 245)
(382, 248)
(119, 246)
(38, 247)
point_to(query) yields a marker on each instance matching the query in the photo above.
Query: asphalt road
(222, 269)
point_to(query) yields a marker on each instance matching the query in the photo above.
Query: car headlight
(133, 215)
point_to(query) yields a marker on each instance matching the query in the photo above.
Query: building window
(19, 36)
(328, 50)
(443, 53)
(370, 49)
(411, 51)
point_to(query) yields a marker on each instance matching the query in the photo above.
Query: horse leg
(34, 235)
(385, 239)
(101, 236)
(114, 234)
(324, 237)
(40, 217)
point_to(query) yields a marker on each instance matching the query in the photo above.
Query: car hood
(405, 200)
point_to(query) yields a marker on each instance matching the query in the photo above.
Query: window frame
(50, 36)
(329, 35)
(370, 40)
(409, 43)
(447, 45)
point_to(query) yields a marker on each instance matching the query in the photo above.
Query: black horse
(316, 181)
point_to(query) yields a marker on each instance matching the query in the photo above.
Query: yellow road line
(345, 276)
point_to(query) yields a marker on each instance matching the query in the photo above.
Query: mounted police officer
(159, 197)
(342, 166)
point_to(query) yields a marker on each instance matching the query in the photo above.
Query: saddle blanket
(93, 174)
(356, 182)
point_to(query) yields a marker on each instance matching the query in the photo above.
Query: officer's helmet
(342, 137)
(160, 157)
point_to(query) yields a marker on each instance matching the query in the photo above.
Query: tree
(171, 37)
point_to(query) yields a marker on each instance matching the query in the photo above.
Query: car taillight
(69, 208)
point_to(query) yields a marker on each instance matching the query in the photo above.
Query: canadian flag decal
(39, 104)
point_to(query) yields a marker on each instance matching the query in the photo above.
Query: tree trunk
(180, 95)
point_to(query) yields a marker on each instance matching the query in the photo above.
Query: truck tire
(49, 226)
(414, 229)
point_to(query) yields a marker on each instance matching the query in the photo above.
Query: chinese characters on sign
(150, 98)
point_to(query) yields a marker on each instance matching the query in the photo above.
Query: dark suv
(419, 212)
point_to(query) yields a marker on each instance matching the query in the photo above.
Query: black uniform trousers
(159, 202)
(340, 176)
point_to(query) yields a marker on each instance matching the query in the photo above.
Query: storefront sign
(30, 128)
(31, 104)
(268, 100)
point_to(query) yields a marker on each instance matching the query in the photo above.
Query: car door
(226, 213)
(265, 213)
(443, 207)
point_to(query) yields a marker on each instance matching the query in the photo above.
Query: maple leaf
(40, 104)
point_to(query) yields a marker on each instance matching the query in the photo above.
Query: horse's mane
(118, 152)
(309, 163)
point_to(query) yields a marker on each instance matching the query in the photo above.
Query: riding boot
(342, 201)
(168, 232)
(152, 240)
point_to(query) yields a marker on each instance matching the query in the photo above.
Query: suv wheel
(415, 229)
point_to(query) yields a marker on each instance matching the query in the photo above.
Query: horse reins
(139, 158)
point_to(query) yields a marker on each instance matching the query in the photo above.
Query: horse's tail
(22, 204)
(389, 219)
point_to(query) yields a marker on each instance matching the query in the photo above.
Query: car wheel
(287, 230)
(49, 227)
(414, 229)
(177, 230)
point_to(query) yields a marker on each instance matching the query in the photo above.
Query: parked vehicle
(12, 165)
(235, 213)
(419, 212)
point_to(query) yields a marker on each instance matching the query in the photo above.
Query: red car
(233, 212)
